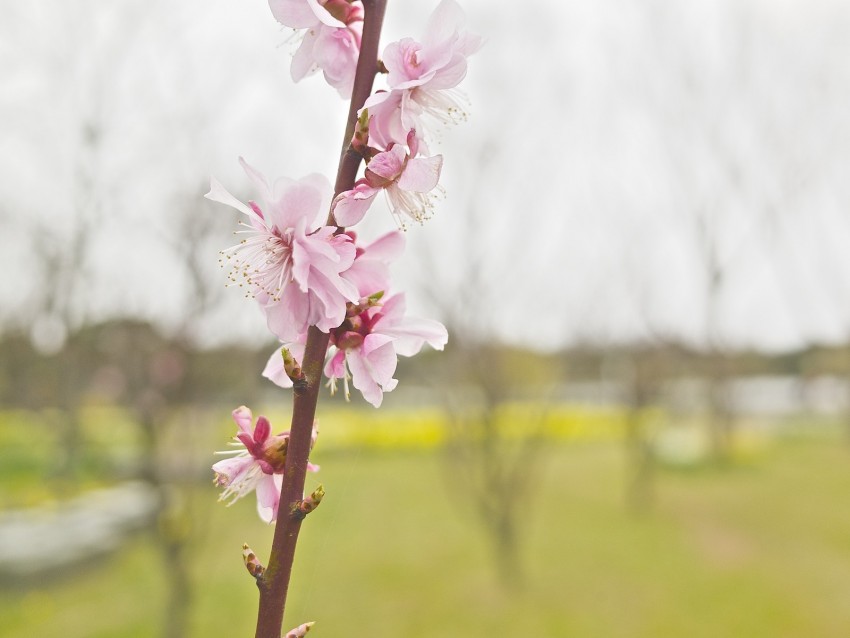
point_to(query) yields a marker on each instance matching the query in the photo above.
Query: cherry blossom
(331, 41)
(422, 77)
(258, 464)
(369, 273)
(288, 262)
(366, 346)
(406, 179)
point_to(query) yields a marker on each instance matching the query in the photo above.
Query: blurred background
(641, 424)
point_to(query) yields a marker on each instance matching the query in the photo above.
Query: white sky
(612, 147)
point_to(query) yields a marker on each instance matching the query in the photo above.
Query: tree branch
(274, 583)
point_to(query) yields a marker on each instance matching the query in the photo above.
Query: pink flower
(407, 180)
(422, 77)
(331, 42)
(287, 261)
(369, 273)
(258, 466)
(365, 347)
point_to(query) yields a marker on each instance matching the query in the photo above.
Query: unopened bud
(300, 631)
(254, 567)
(360, 141)
(353, 310)
(302, 508)
(291, 365)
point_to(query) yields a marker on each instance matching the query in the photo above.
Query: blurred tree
(494, 457)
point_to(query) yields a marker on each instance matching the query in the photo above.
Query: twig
(274, 584)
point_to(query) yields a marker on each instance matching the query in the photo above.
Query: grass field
(761, 550)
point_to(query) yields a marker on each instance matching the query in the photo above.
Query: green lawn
(747, 552)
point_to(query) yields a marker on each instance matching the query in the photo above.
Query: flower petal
(421, 174)
(274, 371)
(268, 496)
(219, 193)
(293, 13)
(243, 417)
(351, 206)
(362, 379)
(303, 62)
(262, 430)
(324, 15)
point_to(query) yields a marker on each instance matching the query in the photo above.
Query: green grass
(748, 552)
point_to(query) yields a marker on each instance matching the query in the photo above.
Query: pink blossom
(423, 77)
(365, 347)
(288, 262)
(369, 273)
(331, 41)
(407, 180)
(257, 466)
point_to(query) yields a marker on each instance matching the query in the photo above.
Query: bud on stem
(293, 369)
(254, 567)
(301, 508)
(352, 310)
(300, 631)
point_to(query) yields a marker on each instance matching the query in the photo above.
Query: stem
(274, 584)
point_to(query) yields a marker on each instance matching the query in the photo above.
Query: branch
(274, 584)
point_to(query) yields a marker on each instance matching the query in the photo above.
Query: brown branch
(274, 584)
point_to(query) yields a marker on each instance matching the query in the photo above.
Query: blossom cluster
(296, 255)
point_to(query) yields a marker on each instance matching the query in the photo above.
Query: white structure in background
(36, 541)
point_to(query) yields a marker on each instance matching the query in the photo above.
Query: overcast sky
(618, 158)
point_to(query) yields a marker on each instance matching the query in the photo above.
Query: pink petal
(370, 271)
(363, 381)
(268, 496)
(450, 74)
(381, 357)
(287, 318)
(421, 174)
(220, 194)
(385, 118)
(351, 206)
(248, 441)
(296, 200)
(412, 333)
(388, 164)
(259, 180)
(233, 468)
(293, 13)
(335, 367)
(369, 276)
(274, 371)
(446, 20)
(322, 14)
(262, 430)
(392, 309)
(304, 62)
(244, 419)
(336, 53)
(388, 247)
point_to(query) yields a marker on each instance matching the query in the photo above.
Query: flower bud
(255, 568)
(302, 508)
(300, 631)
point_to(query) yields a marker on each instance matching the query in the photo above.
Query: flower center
(352, 331)
(262, 261)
